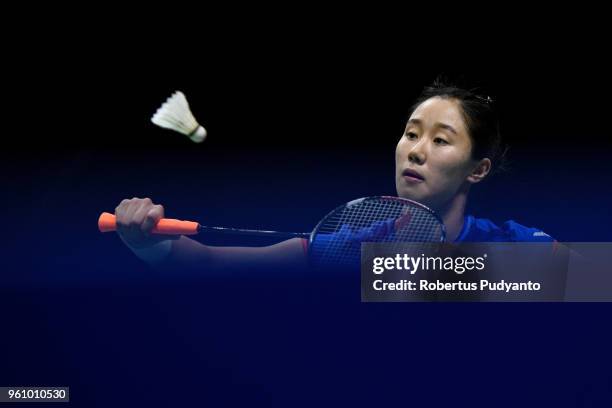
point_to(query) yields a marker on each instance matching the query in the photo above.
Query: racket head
(337, 238)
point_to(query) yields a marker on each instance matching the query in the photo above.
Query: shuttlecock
(174, 114)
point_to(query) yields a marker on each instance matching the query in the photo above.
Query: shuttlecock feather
(174, 114)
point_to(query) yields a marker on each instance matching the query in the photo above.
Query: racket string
(338, 239)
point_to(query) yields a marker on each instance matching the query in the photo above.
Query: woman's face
(433, 157)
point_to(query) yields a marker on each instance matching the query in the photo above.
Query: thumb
(152, 217)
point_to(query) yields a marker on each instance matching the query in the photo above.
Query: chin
(408, 194)
(411, 195)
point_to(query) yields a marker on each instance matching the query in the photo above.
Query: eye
(440, 141)
(411, 136)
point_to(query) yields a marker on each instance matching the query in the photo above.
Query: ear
(483, 167)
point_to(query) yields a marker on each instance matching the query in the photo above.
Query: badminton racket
(337, 238)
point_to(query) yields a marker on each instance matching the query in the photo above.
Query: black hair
(480, 117)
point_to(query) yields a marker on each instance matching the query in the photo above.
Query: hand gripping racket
(337, 238)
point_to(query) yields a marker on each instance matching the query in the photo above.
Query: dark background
(298, 123)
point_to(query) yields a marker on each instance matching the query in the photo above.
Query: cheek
(399, 152)
(451, 164)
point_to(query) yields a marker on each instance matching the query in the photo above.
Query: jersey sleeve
(519, 233)
(484, 230)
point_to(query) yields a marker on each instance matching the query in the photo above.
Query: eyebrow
(438, 124)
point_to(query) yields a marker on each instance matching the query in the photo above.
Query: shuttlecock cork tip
(198, 135)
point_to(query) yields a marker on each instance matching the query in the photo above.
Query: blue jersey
(484, 230)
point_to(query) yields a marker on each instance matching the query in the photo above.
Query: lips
(413, 174)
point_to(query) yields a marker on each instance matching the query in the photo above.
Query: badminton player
(451, 143)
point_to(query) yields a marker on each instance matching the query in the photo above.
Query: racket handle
(168, 226)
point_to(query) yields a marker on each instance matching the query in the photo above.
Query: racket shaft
(263, 233)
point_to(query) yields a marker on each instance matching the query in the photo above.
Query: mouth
(412, 176)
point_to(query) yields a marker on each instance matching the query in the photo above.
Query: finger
(131, 230)
(155, 214)
(152, 217)
(120, 212)
(131, 209)
(141, 212)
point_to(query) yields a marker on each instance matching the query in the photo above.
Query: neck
(453, 214)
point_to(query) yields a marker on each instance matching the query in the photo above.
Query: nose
(417, 154)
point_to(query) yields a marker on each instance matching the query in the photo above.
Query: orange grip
(168, 226)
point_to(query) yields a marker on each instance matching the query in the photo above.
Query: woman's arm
(137, 217)
(187, 253)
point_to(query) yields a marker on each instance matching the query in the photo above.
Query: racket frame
(362, 199)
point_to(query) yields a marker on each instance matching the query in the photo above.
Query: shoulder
(485, 230)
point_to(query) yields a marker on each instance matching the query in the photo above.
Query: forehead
(440, 110)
